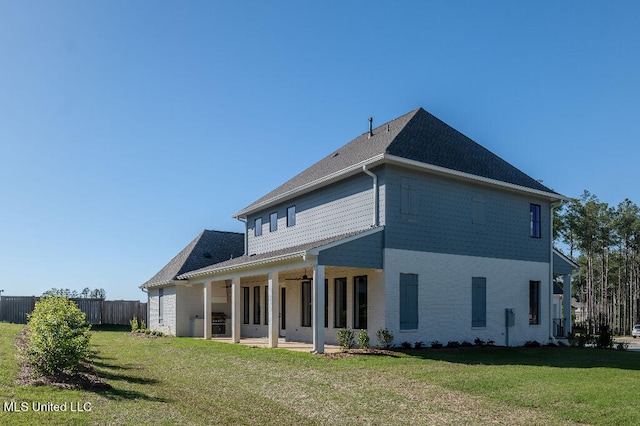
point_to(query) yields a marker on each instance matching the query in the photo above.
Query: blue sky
(128, 127)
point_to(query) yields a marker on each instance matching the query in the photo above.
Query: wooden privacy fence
(112, 312)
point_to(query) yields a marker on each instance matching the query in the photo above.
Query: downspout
(375, 195)
(246, 234)
(553, 206)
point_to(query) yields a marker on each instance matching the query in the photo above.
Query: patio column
(566, 301)
(207, 309)
(318, 309)
(235, 310)
(273, 309)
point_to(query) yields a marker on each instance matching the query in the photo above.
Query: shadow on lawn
(125, 378)
(559, 357)
(114, 393)
(121, 395)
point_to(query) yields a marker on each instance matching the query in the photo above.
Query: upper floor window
(258, 227)
(291, 216)
(273, 222)
(535, 229)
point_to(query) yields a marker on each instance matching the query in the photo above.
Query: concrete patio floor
(263, 342)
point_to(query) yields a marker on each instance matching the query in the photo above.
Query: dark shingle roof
(417, 136)
(208, 248)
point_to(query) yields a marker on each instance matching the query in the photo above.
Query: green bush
(605, 338)
(57, 337)
(134, 324)
(346, 338)
(385, 338)
(363, 339)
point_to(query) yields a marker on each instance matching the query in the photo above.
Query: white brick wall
(444, 297)
(168, 325)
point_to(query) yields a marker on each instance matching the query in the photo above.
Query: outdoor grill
(218, 323)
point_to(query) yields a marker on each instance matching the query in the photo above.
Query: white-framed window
(535, 227)
(291, 215)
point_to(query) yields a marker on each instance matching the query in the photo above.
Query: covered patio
(280, 299)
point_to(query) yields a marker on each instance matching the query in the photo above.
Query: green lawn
(191, 381)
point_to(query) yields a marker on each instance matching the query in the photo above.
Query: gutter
(375, 195)
(246, 234)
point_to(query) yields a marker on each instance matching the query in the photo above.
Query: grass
(192, 381)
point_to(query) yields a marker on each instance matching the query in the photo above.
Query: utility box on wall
(510, 317)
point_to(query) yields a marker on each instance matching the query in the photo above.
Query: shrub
(417, 345)
(531, 344)
(147, 331)
(605, 338)
(385, 337)
(57, 337)
(584, 339)
(436, 345)
(466, 344)
(134, 324)
(405, 345)
(479, 342)
(143, 326)
(363, 339)
(346, 338)
(453, 344)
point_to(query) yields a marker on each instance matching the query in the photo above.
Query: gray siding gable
(342, 208)
(364, 252)
(561, 266)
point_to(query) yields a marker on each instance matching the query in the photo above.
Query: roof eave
(161, 284)
(245, 265)
(392, 159)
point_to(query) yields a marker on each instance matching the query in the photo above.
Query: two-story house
(412, 227)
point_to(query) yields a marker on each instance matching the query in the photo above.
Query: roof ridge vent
(370, 126)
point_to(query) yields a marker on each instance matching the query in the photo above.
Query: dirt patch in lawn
(85, 378)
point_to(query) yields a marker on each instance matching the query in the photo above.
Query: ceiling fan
(305, 277)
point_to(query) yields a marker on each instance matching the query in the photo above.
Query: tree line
(605, 241)
(98, 293)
